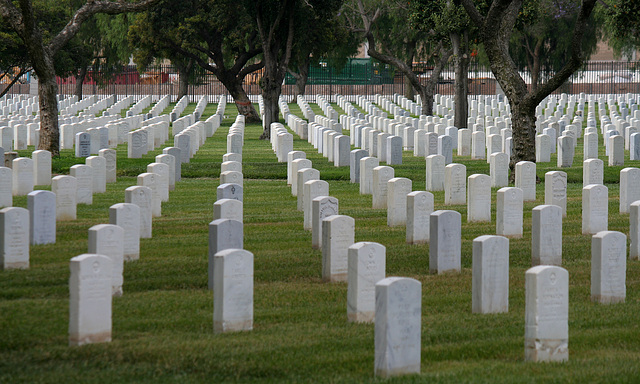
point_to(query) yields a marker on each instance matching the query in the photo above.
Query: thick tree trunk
(496, 28)
(271, 90)
(411, 53)
(47, 94)
(523, 121)
(535, 74)
(80, 76)
(426, 96)
(461, 60)
(302, 76)
(409, 91)
(243, 103)
(271, 111)
(183, 81)
(429, 89)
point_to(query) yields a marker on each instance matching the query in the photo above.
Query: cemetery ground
(163, 328)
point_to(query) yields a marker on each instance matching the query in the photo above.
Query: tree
(217, 35)
(541, 41)
(321, 37)
(393, 41)
(622, 24)
(101, 44)
(276, 22)
(496, 27)
(41, 51)
(447, 20)
(14, 62)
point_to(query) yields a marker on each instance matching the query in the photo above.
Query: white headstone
(555, 190)
(592, 172)
(455, 184)
(367, 164)
(304, 175)
(321, 208)
(228, 209)
(490, 279)
(629, 187)
(141, 196)
(107, 240)
(499, 169)
(42, 217)
(41, 167)
(22, 176)
(98, 165)
(229, 191)
(509, 214)
(6, 187)
(64, 188)
(419, 208)
(84, 183)
(397, 190)
(14, 238)
(608, 267)
(479, 198)
(223, 234)
(90, 299)
(435, 173)
(152, 181)
(312, 189)
(338, 234)
(595, 209)
(366, 266)
(398, 326)
(381, 177)
(233, 291)
(110, 158)
(546, 235)
(444, 241)
(634, 230)
(546, 314)
(127, 216)
(526, 179)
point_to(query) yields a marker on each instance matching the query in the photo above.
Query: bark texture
(277, 44)
(22, 19)
(231, 75)
(80, 76)
(461, 59)
(495, 31)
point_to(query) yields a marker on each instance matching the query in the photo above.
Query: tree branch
(90, 8)
(576, 59)
(11, 15)
(249, 69)
(473, 13)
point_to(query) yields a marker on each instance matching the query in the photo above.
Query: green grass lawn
(163, 324)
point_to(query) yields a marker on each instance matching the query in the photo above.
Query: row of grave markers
(544, 341)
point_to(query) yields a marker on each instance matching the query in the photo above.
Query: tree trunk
(408, 89)
(461, 61)
(429, 89)
(47, 94)
(243, 103)
(271, 90)
(183, 80)
(80, 76)
(523, 121)
(302, 76)
(271, 111)
(426, 96)
(411, 53)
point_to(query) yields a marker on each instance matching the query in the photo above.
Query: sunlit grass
(162, 326)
